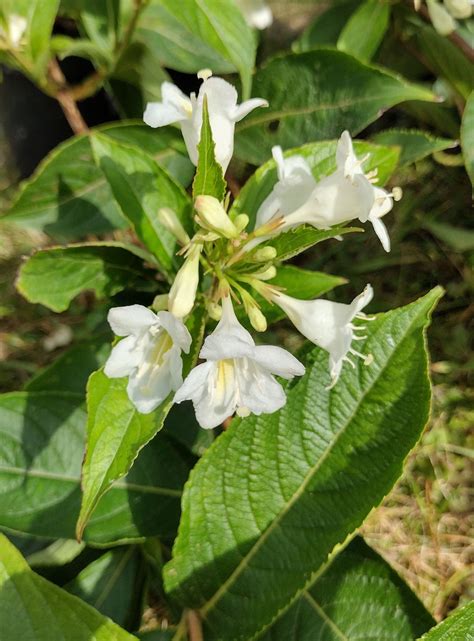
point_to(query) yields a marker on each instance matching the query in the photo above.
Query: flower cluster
(225, 265)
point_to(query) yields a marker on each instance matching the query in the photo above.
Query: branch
(194, 626)
(66, 99)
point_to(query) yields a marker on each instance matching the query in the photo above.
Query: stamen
(346, 359)
(369, 360)
(365, 317)
(356, 353)
(359, 338)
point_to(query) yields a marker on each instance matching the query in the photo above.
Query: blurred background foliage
(424, 526)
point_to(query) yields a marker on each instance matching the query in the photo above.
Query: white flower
(442, 20)
(344, 195)
(150, 355)
(238, 375)
(293, 189)
(328, 325)
(256, 13)
(212, 216)
(183, 290)
(223, 114)
(461, 9)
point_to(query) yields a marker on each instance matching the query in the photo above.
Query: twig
(194, 626)
(66, 100)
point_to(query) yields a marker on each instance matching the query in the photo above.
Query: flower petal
(194, 383)
(222, 345)
(242, 110)
(123, 359)
(278, 361)
(131, 319)
(260, 393)
(381, 231)
(148, 386)
(176, 329)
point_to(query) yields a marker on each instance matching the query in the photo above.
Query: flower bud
(183, 290)
(213, 216)
(168, 218)
(266, 274)
(160, 302)
(241, 221)
(442, 21)
(264, 254)
(459, 8)
(257, 319)
(214, 310)
(15, 29)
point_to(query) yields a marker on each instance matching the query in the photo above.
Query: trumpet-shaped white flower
(328, 325)
(256, 13)
(293, 189)
(238, 375)
(223, 109)
(150, 354)
(344, 195)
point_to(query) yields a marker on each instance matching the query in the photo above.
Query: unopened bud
(160, 302)
(241, 221)
(264, 254)
(442, 21)
(168, 218)
(183, 290)
(204, 74)
(459, 8)
(266, 274)
(257, 319)
(214, 310)
(213, 216)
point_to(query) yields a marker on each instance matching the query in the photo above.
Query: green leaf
(321, 157)
(209, 178)
(194, 34)
(59, 553)
(40, 16)
(116, 431)
(65, 46)
(358, 597)
(458, 626)
(326, 27)
(414, 144)
(55, 276)
(276, 495)
(371, 19)
(33, 608)
(467, 137)
(112, 585)
(68, 196)
(43, 435)
(331, 91)
(141, 188)
(445, 59)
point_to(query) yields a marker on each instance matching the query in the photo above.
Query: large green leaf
(359, 597)
(276, 495)
(193, 34)
(112, 584)
(43, 435)
(459, 626)
(315, 96)
(467, 136)
(68, 197)
(209, 178)
(55, 276)
(371, 19)
(414, 144)
(321, 157)
(116, 431)
(32, 608)
(141, 188)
